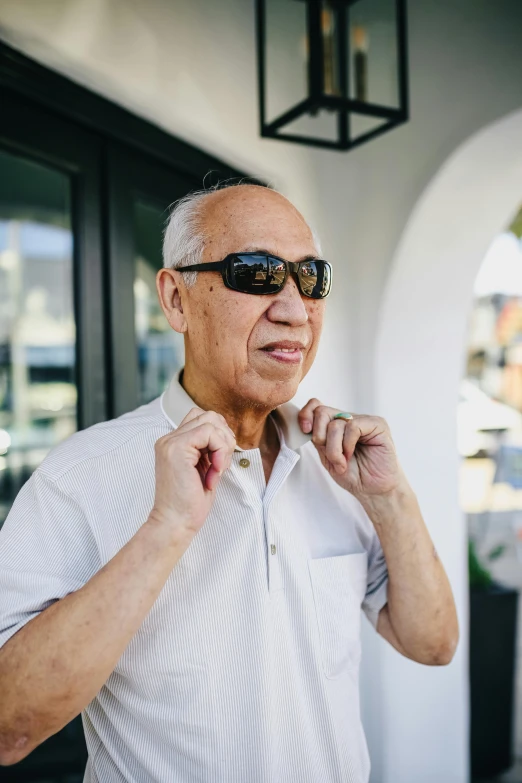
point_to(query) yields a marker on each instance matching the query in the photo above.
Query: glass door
(38, 384)
(52, 375)
(146, 351)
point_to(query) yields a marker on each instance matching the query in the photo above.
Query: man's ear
(170, 288)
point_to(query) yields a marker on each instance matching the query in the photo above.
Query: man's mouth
(286, 355)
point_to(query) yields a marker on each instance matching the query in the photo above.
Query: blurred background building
(110, 110)
(489, 421)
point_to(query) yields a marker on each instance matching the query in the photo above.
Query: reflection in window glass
(38, 399)
(160, 349)
(489, 422)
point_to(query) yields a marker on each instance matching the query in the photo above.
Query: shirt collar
(176, 403)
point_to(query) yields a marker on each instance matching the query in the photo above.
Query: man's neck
(252, 426)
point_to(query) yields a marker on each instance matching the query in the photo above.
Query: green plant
(479, 576)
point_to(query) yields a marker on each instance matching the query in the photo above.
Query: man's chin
(274, 388)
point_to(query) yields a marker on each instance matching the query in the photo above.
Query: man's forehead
(252, 203)
(243, 193)
(256, 219)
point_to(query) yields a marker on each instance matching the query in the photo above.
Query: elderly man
(190, 575)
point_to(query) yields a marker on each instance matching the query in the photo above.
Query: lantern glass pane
(373, 56)
(361, 124)
(286, 56)
(324, 125)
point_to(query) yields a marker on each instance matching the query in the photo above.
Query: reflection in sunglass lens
(263, 274)
(277, 273)
(315, 279)
(257, 274)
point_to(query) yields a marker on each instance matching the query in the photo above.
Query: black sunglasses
(260, 273)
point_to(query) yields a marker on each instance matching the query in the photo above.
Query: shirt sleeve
(377, 581)
(47, 550)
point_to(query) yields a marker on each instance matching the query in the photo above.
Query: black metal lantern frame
(318, 97)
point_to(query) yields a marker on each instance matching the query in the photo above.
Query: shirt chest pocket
(339, 587)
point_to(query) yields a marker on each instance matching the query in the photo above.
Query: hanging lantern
(332, 73)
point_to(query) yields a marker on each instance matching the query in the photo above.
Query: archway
(420, 352)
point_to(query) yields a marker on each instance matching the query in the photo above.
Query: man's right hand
(189, 464)
(54, 666)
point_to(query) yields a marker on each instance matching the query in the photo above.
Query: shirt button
(273, 548)
(244, 462)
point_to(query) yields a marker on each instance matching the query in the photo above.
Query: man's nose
(288, 304)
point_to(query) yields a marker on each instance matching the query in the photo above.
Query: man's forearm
(56, 664)
(421, 608)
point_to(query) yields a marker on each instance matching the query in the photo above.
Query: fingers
(336, 438)
(334, 447)
(217, 443)
(323, 415)
(193, 412)
(197, 416)
(352, 433)
(306, 414)
(341, 439)
(209, 440)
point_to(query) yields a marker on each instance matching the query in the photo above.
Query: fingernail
(307, 426)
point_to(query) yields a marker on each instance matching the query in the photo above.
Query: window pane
(38, 395)
(160, 349)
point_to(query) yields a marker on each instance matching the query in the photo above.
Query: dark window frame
(131, 176)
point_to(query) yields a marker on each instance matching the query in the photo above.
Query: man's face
(227, 330)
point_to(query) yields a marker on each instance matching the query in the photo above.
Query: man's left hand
(358, 453)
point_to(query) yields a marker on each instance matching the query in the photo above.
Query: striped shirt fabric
(246, 668)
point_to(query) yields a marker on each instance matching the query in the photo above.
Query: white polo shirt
(246, 668)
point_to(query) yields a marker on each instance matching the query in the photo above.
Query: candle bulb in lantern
(360, 62)
(330, 71)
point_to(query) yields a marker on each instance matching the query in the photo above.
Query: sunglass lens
(276, 274)
(315, 279)
(257, 274)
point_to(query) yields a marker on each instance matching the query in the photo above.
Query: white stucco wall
(190, 67)
(469, 201)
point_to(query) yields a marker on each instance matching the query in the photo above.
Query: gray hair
(184, 237)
